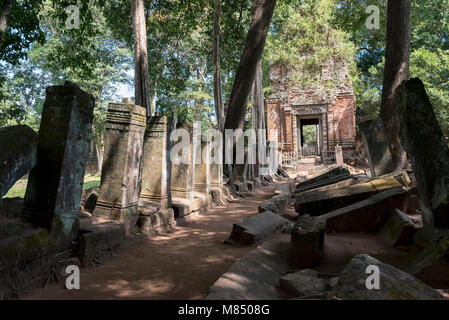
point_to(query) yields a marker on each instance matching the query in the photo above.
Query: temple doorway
(309, 137)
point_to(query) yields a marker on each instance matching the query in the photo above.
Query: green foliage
(303, 39)
(23, 30)
(310, 134)
(431, 68)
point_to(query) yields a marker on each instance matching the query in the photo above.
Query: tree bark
(6, 10)
(252, 53)
(258, 105)
(397, 60)
(141, 82)
(218, 94)
(100, 157)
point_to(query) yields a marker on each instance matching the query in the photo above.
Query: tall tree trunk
(6, 9)
(397, 60)
(252, 53)
(218, 95)
(258, 104)
(244, 78)
(141, 82)
(100, 157)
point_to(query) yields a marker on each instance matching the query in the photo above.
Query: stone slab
(368, 215)
(326, 201)
(18, 156)
(400, 228)
(97, 241)
(255, 276)
(394, 283)
(307, 242)
(426, 146)
(256, 227)
(376, 146)
(426, 257)
(322, 178)
(304, 283)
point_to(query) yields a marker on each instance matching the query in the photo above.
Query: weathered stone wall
(331, 100)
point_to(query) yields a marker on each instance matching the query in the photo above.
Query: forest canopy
(40, 49)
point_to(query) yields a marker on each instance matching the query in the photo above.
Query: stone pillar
(52, 199)
(202, 176)
(181, 174)
(376, 146)
(154, 162)
(339, 155)
(216, 175)
(119, 193)
(202, 170)
(155, 213)
(426, 146)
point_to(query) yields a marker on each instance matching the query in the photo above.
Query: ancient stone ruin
(330, 109)
(308, 231)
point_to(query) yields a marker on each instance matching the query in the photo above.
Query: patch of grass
(16, 192)
(91, 184)
(19, 189)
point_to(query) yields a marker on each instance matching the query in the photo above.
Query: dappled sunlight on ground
(182, 264)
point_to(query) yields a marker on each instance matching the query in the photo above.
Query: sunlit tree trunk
(141, 82)
(252, 53)
(218, 95)
(6, 9)
(397, 60)
(246, 71)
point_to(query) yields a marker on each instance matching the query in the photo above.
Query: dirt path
(179, 265)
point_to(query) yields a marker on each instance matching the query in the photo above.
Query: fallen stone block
(304, 283)
(376, 146)
(285, 188)
(11, 207)
(283, 173)
(97, 241)
(21, 243)
(400, 228)
(241, 187)
(330, 177)
(317, 204)
(368, 215)
(429, 235)
(18, 156)
(334, 186)
(256, 228)
(184, 208)
(282, 201)
(255, 276)
(269, 206)
(426, 146)
(277, 204)
(426, 257)
(394, 284)
(89, 200)
(27, 256)
(158, 222)
(307, 242)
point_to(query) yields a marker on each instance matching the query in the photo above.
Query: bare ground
(179, 265)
